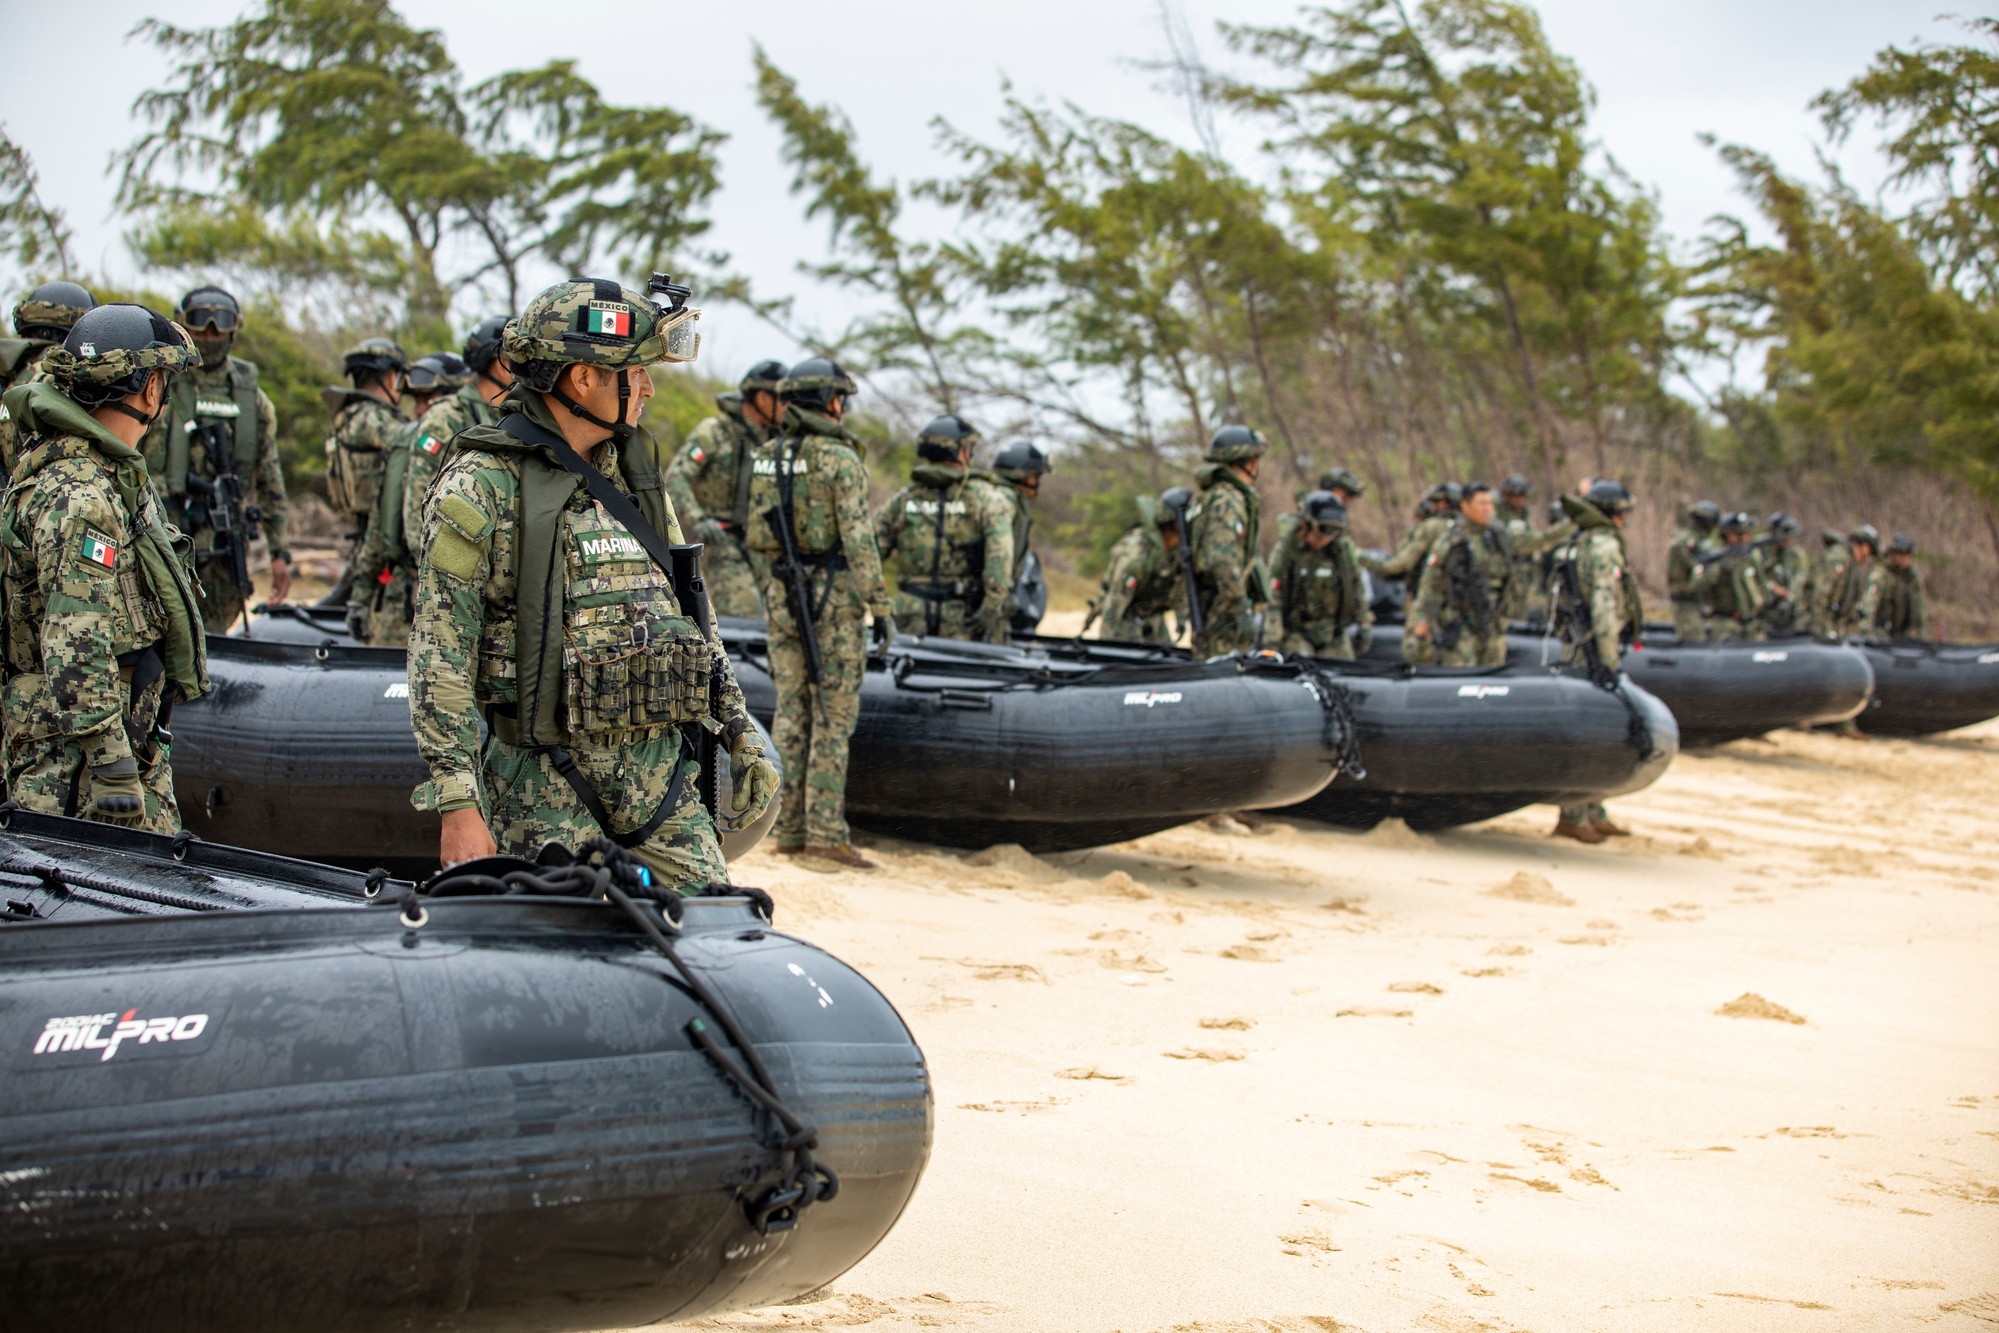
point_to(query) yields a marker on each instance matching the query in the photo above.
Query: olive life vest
(188, 410)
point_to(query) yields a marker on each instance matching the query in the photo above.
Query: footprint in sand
(1751, 1005)
(1363, 1011)
(1528, 887)
(1090, 1074)
(1229, 1024)
(1204, 1053)
(1415, 988)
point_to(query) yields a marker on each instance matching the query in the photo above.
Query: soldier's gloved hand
(884, 629)
(709, 531)
(115, 789)
(752, 780)
(357, 620)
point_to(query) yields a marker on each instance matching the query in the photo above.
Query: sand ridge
(1738, 1071)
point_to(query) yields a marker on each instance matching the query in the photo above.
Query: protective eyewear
(217, 317)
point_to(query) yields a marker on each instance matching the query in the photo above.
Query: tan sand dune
(1299, 1079)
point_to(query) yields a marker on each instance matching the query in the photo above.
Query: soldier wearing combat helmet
(1435, 515)
(948, 539)
(41, 321)
(1602, 578)
(1223, 526)
(1457, 617)
(1016, 472)
(103, 624)
(541, 606)
(383, 601)
(1315, 577)
(473, 404)
(709, 484)
(810, 527)
(1730, 584)
(366, 420)
(1901, 611)
(1845, 590)
(1142, 579)
(1691, 545)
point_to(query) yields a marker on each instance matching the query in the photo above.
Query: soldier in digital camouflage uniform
(709, 482)
(1730, 585)
(539, 609)
(1603, 571)
(1527, 592)
(1345, 486)
(1786, 570)
(947, 537)
(367, 418)
(1315, 579)
(1844, 591)
(42, 320)
(1224, 525)
(218, 405)
(385, 570)
(1462, 590)
(474, 404)
(103, 624)
(820, 463)
(1690, 546)
(1017, 470)
(1901, 610)
(1434, 517)
(1143, 580)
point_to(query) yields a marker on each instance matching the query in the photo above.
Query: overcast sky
(1665, 71)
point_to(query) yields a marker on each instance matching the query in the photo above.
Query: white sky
(1664, 70)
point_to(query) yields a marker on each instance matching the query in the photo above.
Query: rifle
(218, 506)
(1177, 500)
(691, 591)
(1468, 593)
(797, 586)
(1576, 623)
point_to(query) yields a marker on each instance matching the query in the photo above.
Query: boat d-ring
(323, 651)
(418, 922)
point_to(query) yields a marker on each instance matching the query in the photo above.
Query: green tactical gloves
(752, 779)
(115, 789)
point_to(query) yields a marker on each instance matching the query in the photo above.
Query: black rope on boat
(602, 869)
(1341, 732)
(371, 887)
(182, 841)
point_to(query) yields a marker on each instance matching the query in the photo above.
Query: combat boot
(1585, 833)
(1609, 829)
(844, 856)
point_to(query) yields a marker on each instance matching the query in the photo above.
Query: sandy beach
(1738, 1071)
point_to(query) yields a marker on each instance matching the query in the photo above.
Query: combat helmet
(1021, 460)
(1444, 495)
(214, 309)
(1783, 526)
(1866, 534)
(1235, 444)
(482, 345)
(1738, 523)
(373, 356)
(941, 440)
(113, 350)
(1903, 544)
(1516, 485)
(815, 382)
(763, 377)
(1610, 497)
(1323, 513)
(1344, 480)
(597, 322)
(51, 311)
(439, 372)
(1704, 514)
(1173, 506)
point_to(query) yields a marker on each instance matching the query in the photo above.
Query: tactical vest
(188, 411)
(353, 471)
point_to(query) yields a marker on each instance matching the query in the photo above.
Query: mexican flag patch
(430, 444)
(609, 317)
(99, 549)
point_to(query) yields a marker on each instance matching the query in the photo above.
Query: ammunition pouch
(618, 676)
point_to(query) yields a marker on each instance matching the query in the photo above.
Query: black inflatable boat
(1923, 688)
(1050, 743)
(241, 1095)
(304, 748)
(1454, 745)
(1062, 743)
(1718, 691)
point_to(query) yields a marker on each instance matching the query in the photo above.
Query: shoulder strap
(601, 490)
(249, 419)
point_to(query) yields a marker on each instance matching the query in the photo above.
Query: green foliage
(36, 233)
(335, 115)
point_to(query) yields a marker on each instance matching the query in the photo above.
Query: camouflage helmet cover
(941, 440)
(112, 348)
(1610, 497)
(1344, 480)
(439, 372)
(372, 356)
(1018, 460)
(1235, 444)
(53, 305)
(1324, 512)
(1445, 492)
(815, 379)
(764, 376)
(596, 322)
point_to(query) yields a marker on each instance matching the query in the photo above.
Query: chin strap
(142, 418)
(620, 431)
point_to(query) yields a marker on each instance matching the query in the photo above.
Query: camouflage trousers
(1418, 652)
(1134, 629)
(1230, 631)
(529, 803)
(1689, 621)
(954, 620)
(221, 602)
(814, 724)
(1473, 649)
(1727, 629)
(48, 776)
(1527, 592)
(1318, 639)
(732, 581)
